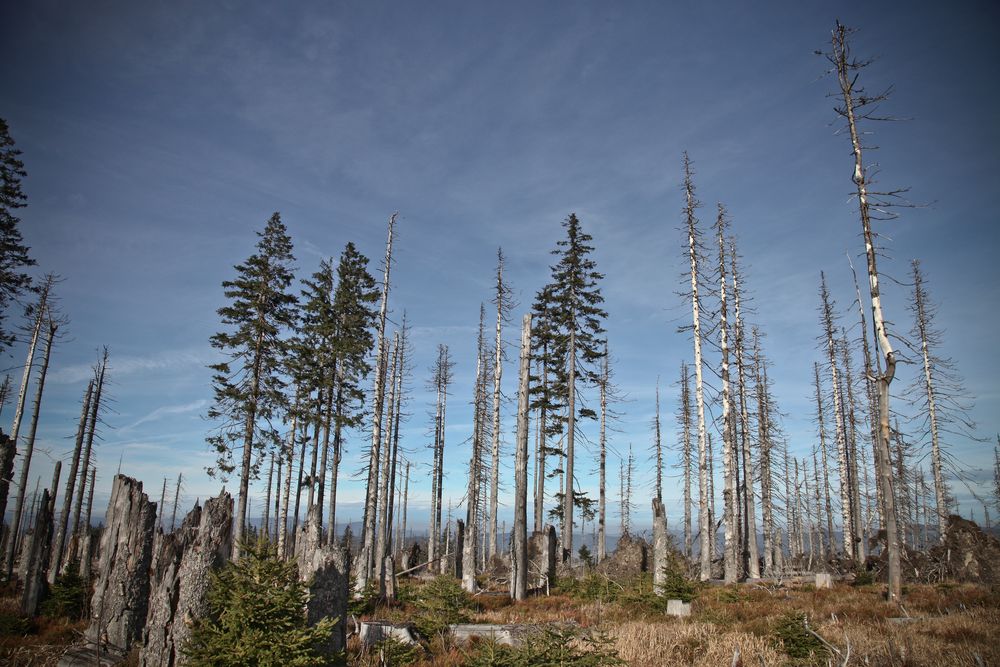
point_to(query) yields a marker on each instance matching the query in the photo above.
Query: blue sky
(159, 137)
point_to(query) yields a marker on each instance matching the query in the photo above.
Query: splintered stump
(181, 578)
(35, 557)
(121, 593)
(325, 569)
(542, 550)
(660, 550)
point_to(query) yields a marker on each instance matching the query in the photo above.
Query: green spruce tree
(13, 253)
(578, 344)
(248, 386)
(256, 616)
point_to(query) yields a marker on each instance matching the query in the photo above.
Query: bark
(660, 546)
(122, 591)
(602, 537)
(381, 543)
(764, 443)
(472, 490)
(365, 565)
(88, 445)
(15, 429)
(847, 520)
(298, 486)
(820, 417)
(60, 540)
(85, 547)
(501, 301)
(850, 406)
(847, 77)
(705, 571)
(208, 551)
(519, 551)
(729, 456)
(326, 571)
(7, 454)
(751, 555)
(265, 519)
(568, 473)
(29, 446)
(35, 558)
(686, 456)
(540, 477)
(937, 469)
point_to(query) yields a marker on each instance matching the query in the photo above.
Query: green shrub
(14, 625)
(564, 645)
(862, 577)
(676, 585)
(67, 596)
(394, 652)
(441, 602)
(256, 616)
(800, 644)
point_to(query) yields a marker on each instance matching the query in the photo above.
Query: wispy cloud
(167, 360)
(166, 411)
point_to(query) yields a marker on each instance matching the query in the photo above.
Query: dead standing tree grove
(858, 105)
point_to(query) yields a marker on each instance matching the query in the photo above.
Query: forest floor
(596, 620)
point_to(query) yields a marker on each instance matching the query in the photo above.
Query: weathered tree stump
(35, 557)
(660, 540)
(182, 576)
(542, 557)
(121, 593)
(326, 570)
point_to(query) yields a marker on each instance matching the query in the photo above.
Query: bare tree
(60, 539)
(95, 409)
(519, 579)
(857, 105)
(694, 251)
(684, 412)
(366, 563)
(51, 327)
(22, 395)
(504, 301)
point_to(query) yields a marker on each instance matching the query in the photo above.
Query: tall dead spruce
(858, 105)
(502, 299)
(519, 548)
(694, 252)
(365, 566)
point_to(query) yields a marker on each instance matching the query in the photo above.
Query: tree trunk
(22, 396)
(60, 541)
(846, 80)
(497, 373)
(381, 546)
(704, 521)
(519, 549)
(820, 412)
(729, 457)
(602, 536)
(751, 554)
(567, 526)
(366, 561)
(29, 446)
(686, 457)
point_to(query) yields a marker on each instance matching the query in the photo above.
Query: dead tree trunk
(847, 76)
(50, 332)
(851, 420)
(381, 546)
(121, 594)
(847, 520)
(820, 414)
(35, 556)
(602, 532)
(920, 308)
(95, 408)
(751, 555)
(704, 520)
(472, 490)
(519, 550)
(502, 298)
(60, 540)
(685, 410)
(365, 566)
(764, 443)
(729, 456)
(15, 428)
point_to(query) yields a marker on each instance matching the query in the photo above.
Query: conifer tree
(255, 616)
(248, 386)
(576, 316)
(354, 308)
(14, 256)
(546, 393)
